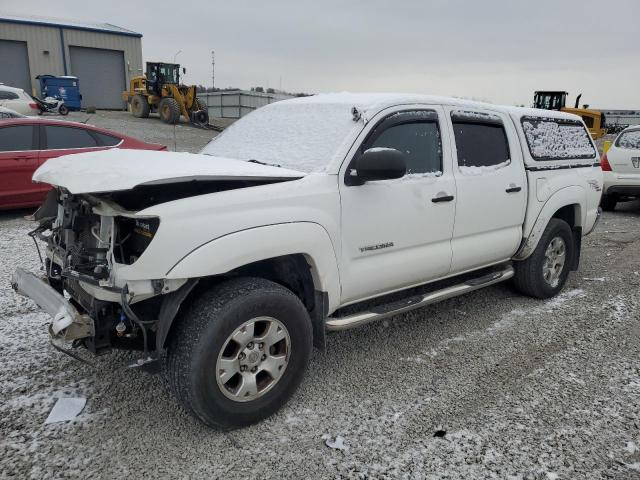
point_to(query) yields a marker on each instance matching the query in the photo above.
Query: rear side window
(629, 140)
(16, 139)
(106, 140)
(5, 95)
(68, 137)
(481, 141)
(557, 139)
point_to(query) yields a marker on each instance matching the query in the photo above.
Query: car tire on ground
(608, 203)
(545, 271)
(140, 106)
(169, 110)
(239, 351)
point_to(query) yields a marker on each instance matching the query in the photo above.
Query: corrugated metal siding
(39, 40)
(44, 38)
(237, 104)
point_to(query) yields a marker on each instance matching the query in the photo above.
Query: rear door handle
(443, 198)
(513, 189)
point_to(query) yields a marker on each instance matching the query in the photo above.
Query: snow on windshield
(298, 135)
(629, 140)
(551, 139)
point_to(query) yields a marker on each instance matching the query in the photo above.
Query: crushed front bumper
(68, 323)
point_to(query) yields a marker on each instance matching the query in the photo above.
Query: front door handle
(443, 198)
(513, 189)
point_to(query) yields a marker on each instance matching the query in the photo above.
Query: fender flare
(572, 195)
(237, 249)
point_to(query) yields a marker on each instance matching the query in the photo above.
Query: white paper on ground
(66, 409)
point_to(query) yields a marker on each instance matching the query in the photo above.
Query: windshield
(300, 135)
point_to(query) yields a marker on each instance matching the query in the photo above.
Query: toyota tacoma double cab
(317, 214)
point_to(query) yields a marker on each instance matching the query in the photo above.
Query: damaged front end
(88, 241)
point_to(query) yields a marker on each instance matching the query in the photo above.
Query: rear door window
(481, 141)
(106, 140)
(557, 139)
(68, 137)
(18, 138)
(630, 140)
(5, 95)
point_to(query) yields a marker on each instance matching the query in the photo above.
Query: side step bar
(411, 303)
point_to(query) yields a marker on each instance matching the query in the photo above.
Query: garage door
(15, 55)
(101, 76)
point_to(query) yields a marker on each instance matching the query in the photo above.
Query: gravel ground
(511, 387)
(524, 389)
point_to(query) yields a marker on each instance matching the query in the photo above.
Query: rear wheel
(608, 203)
(140, 106)
(169, 111)
(239, 352)
(545, 271)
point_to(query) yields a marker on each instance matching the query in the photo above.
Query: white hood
(115, 169)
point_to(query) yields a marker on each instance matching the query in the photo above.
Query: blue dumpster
(64, 87)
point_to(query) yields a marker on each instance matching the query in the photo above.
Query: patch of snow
(630, 140)
(473, 171)
(552, 140)
(297, 135)
(631, 448)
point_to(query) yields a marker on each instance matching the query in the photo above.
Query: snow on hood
(115, 169)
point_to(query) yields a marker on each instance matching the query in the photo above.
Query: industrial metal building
(103, 56)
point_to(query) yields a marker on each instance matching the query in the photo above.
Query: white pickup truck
(313, 214)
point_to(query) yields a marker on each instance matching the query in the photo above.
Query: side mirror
(378, 164)
(184, 70)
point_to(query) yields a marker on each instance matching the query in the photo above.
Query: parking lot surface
(488, 385)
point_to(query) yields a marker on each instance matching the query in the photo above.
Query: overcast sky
(495, 50)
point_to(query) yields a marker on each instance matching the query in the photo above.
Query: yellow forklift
(555, 100)
(159, 90)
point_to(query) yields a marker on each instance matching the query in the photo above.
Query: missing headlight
(133, 236)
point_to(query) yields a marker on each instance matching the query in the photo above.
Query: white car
(18, 100)
(308, 215)
(8, 113)
(621, 169)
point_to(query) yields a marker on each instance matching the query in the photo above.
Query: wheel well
(290, 271)
(571, 215)
(568, 214)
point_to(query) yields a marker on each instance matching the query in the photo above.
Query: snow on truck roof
(374, 102)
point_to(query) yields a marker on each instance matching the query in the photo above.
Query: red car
(26, 143)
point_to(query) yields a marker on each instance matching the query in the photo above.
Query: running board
(417, 301)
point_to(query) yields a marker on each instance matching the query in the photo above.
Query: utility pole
(213, 69)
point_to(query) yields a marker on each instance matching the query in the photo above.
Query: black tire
(140, 106)
(203, 330)
(63, 110)
(529, 277)
(169, 111)
(608, 203)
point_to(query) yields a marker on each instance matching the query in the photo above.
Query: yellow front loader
(160, 91)
(556, 100)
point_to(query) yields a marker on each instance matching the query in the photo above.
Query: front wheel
(239, 352)
(63, 110)
(545, 271)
